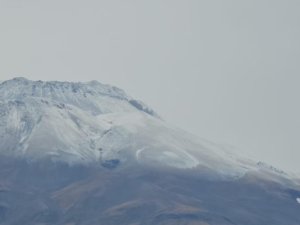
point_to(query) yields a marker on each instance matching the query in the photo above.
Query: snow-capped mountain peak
(83, 95)
(96, 123)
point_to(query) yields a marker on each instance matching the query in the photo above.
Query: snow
(93, 97)
(92, 122)
(298, 200)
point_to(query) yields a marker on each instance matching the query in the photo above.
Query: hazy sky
(228, 71)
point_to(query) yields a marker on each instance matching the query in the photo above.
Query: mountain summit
(87, 154)
(63, 121)
(91, 122)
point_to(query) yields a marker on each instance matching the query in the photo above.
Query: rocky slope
(87, 153)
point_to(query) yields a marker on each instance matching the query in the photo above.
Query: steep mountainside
(87, 153)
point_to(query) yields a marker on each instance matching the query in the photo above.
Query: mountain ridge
(83, 154)
(78, 122)
(20, 88)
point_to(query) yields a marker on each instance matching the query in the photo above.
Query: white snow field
(92, 122)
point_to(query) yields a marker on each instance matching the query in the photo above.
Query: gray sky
(227, 71)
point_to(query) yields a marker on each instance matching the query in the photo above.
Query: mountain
(87, 153)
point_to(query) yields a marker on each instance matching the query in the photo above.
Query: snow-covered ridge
(266, 166)
(77, 94)
(69, 122)
(96, 123)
